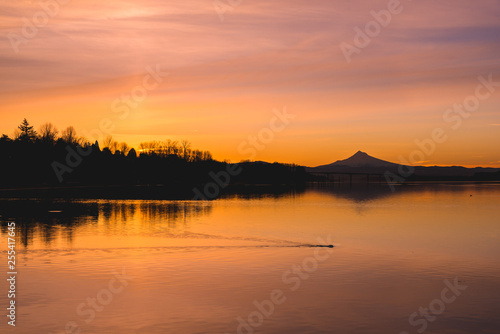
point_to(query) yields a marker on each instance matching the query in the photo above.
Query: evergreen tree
(5, 138)
(27, 132)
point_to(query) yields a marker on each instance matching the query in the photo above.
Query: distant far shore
(164, 192)
(153, 192)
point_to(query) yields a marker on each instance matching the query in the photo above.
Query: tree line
(48, 157)
(49, 134)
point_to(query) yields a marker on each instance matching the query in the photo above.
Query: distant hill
(361, 162)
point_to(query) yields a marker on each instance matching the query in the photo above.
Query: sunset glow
(228, 71)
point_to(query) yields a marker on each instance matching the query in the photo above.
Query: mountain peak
(362, 159)
(360, 153)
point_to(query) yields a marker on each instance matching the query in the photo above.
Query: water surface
(214, 267)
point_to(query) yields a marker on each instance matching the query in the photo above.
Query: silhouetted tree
(106, 143)
(197, 156)
(172, 147)
(48, 133)
(124, 148)
(27, 133)
(106, 151)
(132, 154)
(186, 149)
(69, 135)
(114, 147)
(207, 156)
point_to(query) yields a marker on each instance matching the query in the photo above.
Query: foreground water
(422, 259)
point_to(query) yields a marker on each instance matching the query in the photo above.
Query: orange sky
(226, 77)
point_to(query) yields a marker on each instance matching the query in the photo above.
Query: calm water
(245, 265)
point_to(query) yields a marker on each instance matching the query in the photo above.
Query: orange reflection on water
(198, 266)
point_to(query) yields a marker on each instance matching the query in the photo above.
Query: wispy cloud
(265, 54)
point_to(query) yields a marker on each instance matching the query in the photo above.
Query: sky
(223, 71)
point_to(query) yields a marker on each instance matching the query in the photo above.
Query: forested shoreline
(49, 158)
